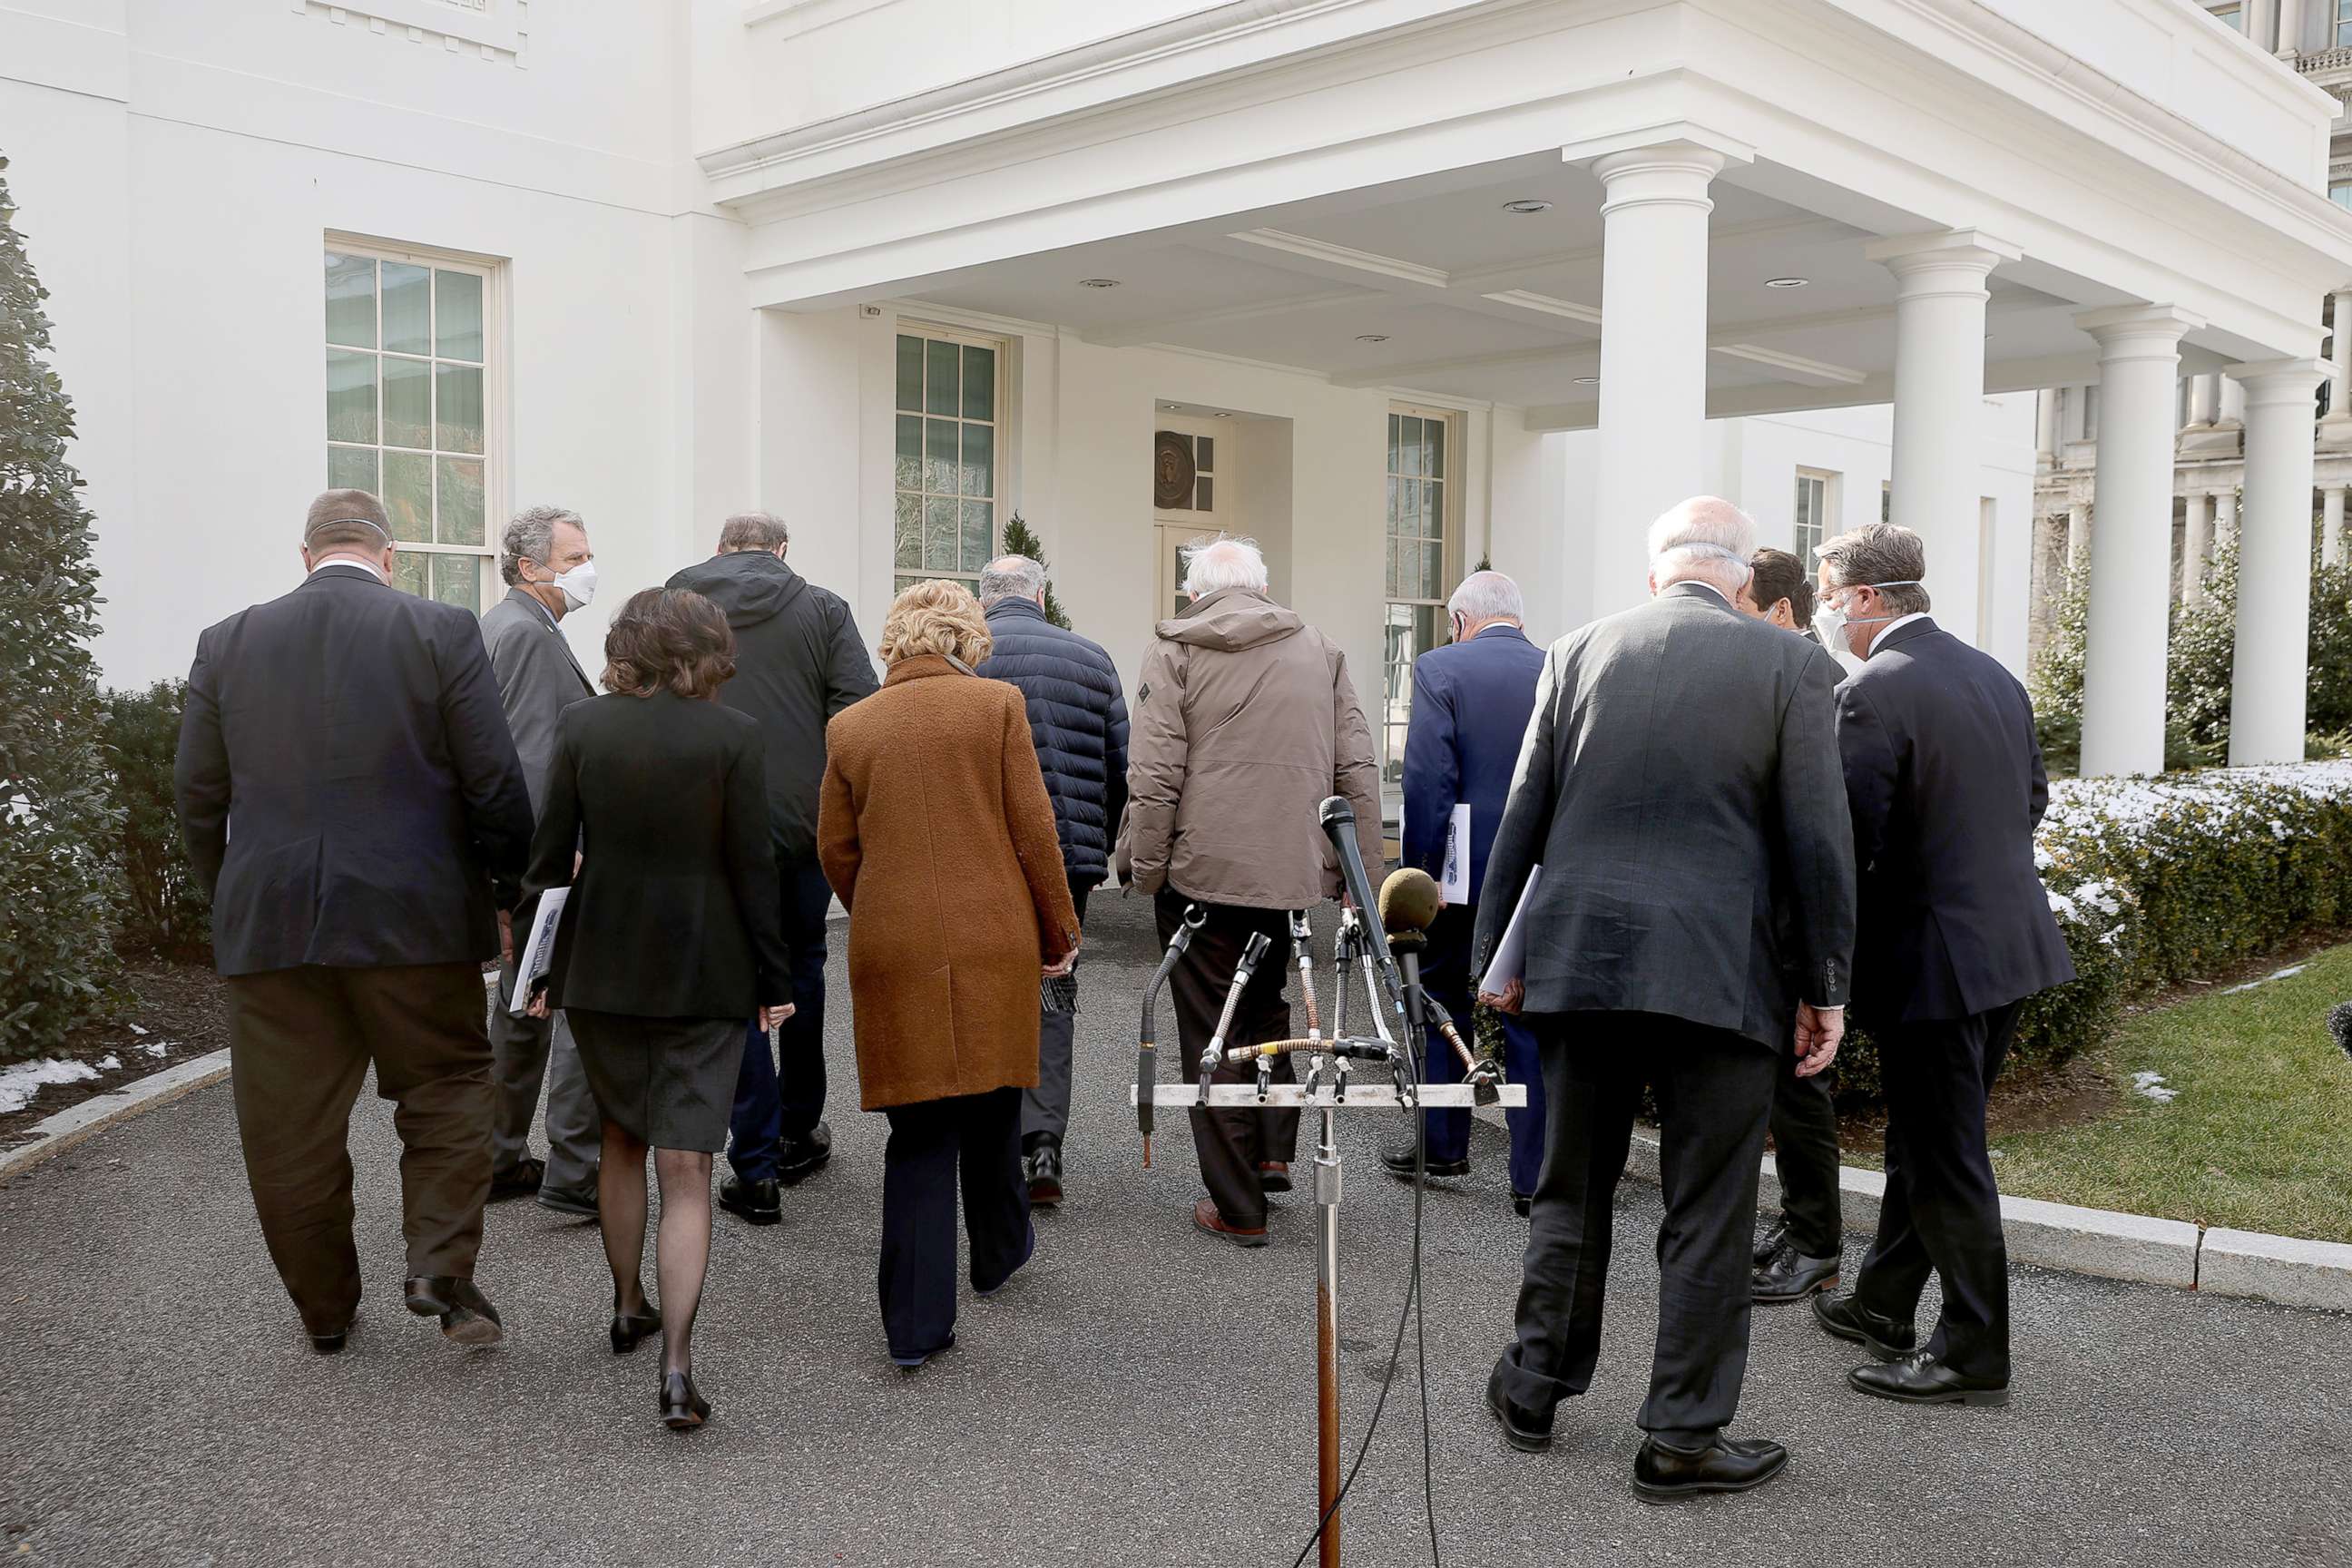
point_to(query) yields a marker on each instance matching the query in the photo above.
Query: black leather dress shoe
(683, 1407)
(1882, 1336)
(331, 1343)
(1662, 1474)
(1790, 1276)
(1042, 1168)
(1522, 1429)
(580, 1200)
(798, 1157)
(1920, 1379)
(1769, 1240)
(467, 1316)
(1523, 1204)
(519, 1180)
(1400, 1163)
(754, 1203)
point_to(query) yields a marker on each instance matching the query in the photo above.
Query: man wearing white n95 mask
(550, 572)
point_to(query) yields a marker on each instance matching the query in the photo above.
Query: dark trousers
(932, 1141)
(1445, 976)
(1714, 1092)
(1942, 1209)
(300, 1041)
(524, 1051)
(1805, 1153)
(1045, 1109)
(1233, 1143)
(770, 1105)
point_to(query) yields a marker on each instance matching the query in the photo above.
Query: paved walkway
(159, 1407)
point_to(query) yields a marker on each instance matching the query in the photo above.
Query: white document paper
(1511, 959)
(1454, 886)
(533, 957)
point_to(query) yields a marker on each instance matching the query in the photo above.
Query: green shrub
(164, 910)
(59, 887)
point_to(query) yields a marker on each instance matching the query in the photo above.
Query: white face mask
(1831, 621)
(579, 585)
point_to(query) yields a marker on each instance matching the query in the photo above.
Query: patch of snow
(157, 1047)
(2151, 1085)
(20, 1083)
(137, 1030)
(2289, 972)
(110, 1063)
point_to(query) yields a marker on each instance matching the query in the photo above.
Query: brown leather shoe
(1205, 1215)
(1273, 1175)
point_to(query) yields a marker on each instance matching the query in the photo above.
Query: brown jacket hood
(1231, 619)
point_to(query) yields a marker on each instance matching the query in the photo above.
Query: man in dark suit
(1077, 720)
(354, 809)
(798, 661)
(1471, 702)
(1678, 787)
(550, 572)
(1947, 787)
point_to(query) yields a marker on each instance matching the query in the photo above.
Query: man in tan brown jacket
(1245, 721)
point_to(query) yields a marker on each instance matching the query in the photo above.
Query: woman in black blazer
(657, 817)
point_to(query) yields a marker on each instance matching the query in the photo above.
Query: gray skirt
(669, 1082)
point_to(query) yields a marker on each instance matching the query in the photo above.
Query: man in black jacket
(1078, 720)
(352, 736)
(1677, 791)
(798, 661)
(1946, 783)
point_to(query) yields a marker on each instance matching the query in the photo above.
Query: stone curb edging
(57, 1133)
(2292, 1273)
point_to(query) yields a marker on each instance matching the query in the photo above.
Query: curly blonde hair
(935, 617)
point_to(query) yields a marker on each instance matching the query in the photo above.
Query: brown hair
(940, 618)
(668, 637)
(1780, 576)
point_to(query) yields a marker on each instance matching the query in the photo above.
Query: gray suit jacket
(1679, 781)
(538, 679)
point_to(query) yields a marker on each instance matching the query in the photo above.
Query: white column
(2196, 530)
(1940, 338)
(2225, 516)
(2231, 399)
(2290, 28)
(2078, 537)
(2266, 680)
(2200, 402)
(1653, 421)
(2045, 428)
(2131, 566)
(2331, 525)
(2336, 426)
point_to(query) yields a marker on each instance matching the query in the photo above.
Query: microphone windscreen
(1408, 900)
(1335, 808)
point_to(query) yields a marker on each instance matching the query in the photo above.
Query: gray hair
(753, 531)
(532, 537)
(1488, 596)
(1011, 577)
(1705, 539)
(1878, 553)
(1223, 563)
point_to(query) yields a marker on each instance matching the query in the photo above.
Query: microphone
(1339, 819)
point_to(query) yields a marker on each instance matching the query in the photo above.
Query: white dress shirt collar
(367, 566)
(1897, 621)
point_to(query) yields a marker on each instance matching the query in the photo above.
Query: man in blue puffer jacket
(1078, 721)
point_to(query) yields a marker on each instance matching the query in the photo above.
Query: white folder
(539, 950)
(1511, 959)
(1454, 886)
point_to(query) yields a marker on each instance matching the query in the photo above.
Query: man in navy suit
(1471, 702)
(350, 736)
(1945, 785)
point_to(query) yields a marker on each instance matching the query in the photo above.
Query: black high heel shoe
(630, 1329)
(682, 1407)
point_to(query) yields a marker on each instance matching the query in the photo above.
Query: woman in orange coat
(935, 829)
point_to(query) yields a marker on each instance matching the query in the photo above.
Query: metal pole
(1327, 1337)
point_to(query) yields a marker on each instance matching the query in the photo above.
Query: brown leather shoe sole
(1214, 1224)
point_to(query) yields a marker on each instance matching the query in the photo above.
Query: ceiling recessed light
(1588, 381)
(1098, 282)
(1529, 205)
(1172, 407)
(1371, 337)
(1223, 414)
(1786, 282)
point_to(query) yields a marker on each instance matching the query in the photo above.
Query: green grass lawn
(2259, 1138)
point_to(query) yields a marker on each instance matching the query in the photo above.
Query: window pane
(1393, 504)
(408, 496)
(979, 383)
(1409, 451)
(909, 475)
(1204, 494)
(979, 534)
(1433, 571)
(907, 530)
(1388, 580)
(910, 374)
(351, 396)
(1432, 510)
(940, 456)
(409, 572)
(938, 378)
(350, 468)
(1395, 455)
(979, 460)
(407, 308)
(407, 402)
(1434, 446)
(457, 315)
(457, 580)
(900, 585)
(351, 301)
(942, 530)
(458, 407)
(1205, 455)
(461, 500)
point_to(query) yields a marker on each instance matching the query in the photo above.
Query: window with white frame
(950, 396)
(2340, 34)
(409, 383)
(2340, 190)
(1814, 496)
(1421, 566)
(2232, 16)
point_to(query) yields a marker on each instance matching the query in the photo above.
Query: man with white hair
(1679, 783)
(1471, 702)
(1245, 721)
